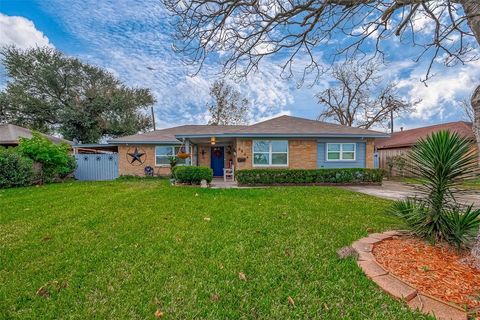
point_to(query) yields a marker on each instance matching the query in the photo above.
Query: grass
(122, 250)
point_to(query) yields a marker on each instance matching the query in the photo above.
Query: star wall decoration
(136, 157)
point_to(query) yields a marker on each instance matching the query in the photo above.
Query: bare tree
(359, 97)
(228, 108)
(245, 32)
(467, 110)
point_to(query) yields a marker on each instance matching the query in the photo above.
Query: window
(341, 151)
(270, 152)
(163, 154)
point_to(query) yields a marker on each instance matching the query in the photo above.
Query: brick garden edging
(397, 287)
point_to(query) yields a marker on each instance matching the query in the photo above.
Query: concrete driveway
(395, 190)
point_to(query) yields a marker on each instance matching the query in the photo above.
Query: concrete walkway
(395, 190)
(219, 183)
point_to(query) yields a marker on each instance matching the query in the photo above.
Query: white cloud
(134, 41)
(443, 92)
(20, 32)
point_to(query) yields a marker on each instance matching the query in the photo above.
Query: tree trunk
(476, 117)
(472, 11)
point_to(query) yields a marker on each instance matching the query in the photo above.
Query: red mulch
(435, 270)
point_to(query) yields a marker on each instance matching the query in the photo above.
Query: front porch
(220, 183)
(218, 154)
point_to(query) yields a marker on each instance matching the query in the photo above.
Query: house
(400, 143)
(10, 135)
(282, 142)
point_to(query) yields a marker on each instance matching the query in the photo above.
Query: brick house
(282, 142)
(400, 143)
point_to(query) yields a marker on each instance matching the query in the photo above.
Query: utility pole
(391, 121)
(153, 118)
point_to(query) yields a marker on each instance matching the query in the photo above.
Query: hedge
(303, 176)
(16, 170)
(192, 174)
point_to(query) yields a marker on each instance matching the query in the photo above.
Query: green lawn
(128, 248)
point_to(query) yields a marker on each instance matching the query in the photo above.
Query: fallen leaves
(158, 313)
(242, 276)
(51, 287)
(291, 301)
(43, 291)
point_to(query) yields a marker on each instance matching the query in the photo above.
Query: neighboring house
(10, 135)
(400, 143)
(283, 142)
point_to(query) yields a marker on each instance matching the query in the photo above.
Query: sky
(133, 40)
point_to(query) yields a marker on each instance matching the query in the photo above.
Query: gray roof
(10, 134)
(300, 126)
(283, 126)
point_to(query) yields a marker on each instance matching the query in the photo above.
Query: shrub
(192, 174)
(55, 159)
(16, 170)
(442, 161)
(308, 176)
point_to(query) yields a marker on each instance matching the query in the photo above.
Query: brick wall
(244, 150)
(125, 168)
(302, 154)
(204, 160)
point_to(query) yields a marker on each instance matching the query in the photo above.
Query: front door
(217, 161)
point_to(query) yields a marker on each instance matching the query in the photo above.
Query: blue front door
(217, 161)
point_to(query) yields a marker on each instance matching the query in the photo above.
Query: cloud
(440, 98)
(20, 32)
(134, 41)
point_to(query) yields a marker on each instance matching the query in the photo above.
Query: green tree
(50, 92)
(55, 159)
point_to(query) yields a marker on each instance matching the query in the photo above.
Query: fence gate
(376, 160)
(93, 167)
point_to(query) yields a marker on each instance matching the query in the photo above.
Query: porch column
(188, 161)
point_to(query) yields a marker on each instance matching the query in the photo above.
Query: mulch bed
(438, 271)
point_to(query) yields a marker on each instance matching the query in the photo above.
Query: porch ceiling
(219, 141)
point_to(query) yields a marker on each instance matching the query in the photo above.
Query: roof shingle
(11, 134)
(283, 125)
(408, 138)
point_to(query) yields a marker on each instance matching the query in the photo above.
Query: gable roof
(283, 126)
(169, 135)
(408, 138)
(10, 134)
(286, 125)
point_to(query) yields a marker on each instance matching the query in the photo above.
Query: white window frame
(341, 152)
(173, 155)
(269, 154)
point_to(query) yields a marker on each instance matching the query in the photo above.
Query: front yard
(125, 249)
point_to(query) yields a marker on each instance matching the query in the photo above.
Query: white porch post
(188, 161)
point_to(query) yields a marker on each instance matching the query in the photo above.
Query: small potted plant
(183, 155)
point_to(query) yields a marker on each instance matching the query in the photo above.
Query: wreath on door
(217, 153)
